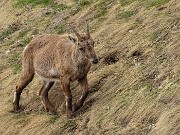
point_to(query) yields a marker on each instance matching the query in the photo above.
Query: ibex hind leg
(44, 95)
(22, 83)
(27, 75)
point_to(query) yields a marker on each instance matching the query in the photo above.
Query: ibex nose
(95, 61)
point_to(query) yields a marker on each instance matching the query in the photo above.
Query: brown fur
(60, 58)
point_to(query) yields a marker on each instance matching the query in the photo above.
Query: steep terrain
(134, 90)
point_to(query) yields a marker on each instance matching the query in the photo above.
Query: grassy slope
(133, 90)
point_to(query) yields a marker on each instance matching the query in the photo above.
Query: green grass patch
(101, 3)
(126, 14)
(19, 36)
(9, 30)
(102, 9)
(97, 24)
(60, 29)
(103, 12)
(156, 3)
(22, 3)
(25, 40)
(50, 3)
(22, 33)
(59, 7)
(5, 33)
(100, 18)
(53, 119)
(83, 3)
(148, 86)
(126, 2)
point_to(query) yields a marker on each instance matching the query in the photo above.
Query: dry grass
(134, 90)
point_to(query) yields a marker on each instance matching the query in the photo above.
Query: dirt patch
(111, 58)
(136, 53)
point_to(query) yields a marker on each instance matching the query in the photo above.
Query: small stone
(130, 31)
(7, 52)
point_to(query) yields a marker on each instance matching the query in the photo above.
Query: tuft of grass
(148, 86)
(60, 29)
(50, 3)
(101, 13)
(102, 6)
(82, 3)
(5, 33)
(22, 3)
(127, 14)
(9, 30)
(22, 33)
(26, 40)
(126, 2)
(53, 119)
(156, 3)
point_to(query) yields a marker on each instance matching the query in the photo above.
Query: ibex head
(85, 44)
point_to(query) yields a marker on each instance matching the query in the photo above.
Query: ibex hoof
(17, 110)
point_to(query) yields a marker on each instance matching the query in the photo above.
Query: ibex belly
(51, 75)
(47, 71)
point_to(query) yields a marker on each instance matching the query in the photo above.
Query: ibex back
(60, 58)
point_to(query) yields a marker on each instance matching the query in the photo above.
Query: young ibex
(60, 58)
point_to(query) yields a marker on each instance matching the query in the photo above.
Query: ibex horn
(77, 34)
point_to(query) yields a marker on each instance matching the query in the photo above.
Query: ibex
(60, 58)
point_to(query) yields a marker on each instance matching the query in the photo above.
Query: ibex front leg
(84, 85)
(65, 86)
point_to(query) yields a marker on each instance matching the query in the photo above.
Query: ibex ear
(73, 39)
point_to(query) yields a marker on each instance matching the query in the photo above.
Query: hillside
(134, 89)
